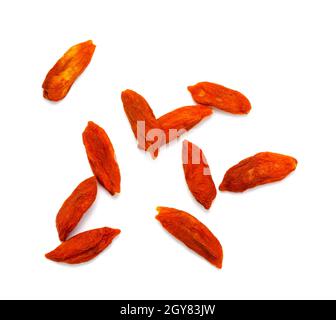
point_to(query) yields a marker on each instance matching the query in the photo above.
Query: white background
(279, 240)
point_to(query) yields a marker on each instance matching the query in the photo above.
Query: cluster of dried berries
(87, 245)
(152, 133)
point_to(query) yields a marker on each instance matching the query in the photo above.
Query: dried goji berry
(264, 167)
(193, 233)
(180, 120)
(66, 70)
(84, 246)
(75, 207)
(142, 120)
(102, 157)
(218, 96)
(197, 174)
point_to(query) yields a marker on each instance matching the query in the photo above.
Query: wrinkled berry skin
(102, 158)
(262, 168)
(75, 206)
(216, 95)
(84, 246)
(193, 233)
(66, 70)
(197, 174)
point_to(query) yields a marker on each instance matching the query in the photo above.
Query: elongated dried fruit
(197, 174)
(145, 126)
(264, 167)
(212, 94)
(66, 70)
(75, 207)
(83, 247)
(102, 159)
(180, 120)
(193, 233)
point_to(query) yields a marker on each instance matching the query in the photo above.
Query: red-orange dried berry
(193, 233)
(197, 174)
(218, 96)
(66, 70)
(75, 207)
(84, 246)
(264, 167)
(142, 120)
(102, 159)
(180, 120)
